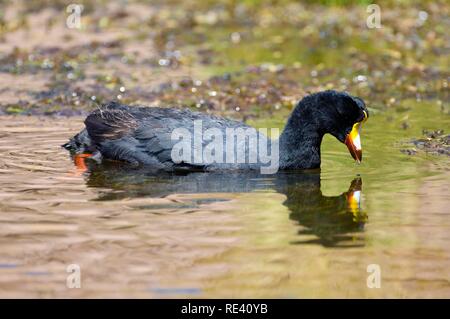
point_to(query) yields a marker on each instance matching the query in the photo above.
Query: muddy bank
(241, 60)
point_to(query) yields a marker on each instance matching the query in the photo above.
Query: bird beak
(353, 140)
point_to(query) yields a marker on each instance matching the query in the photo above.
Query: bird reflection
(334, 220)
(330, 221)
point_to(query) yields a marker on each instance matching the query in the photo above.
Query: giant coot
(144, 135)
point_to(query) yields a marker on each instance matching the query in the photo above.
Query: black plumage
(142, 135)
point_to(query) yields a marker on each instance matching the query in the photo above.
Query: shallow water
(225, 235)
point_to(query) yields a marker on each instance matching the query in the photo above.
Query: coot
(145, 135)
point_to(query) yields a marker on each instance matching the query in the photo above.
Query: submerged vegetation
(434, 142)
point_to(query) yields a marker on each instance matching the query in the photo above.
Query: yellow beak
(353, 140)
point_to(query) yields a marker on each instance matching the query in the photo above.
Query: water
(225, 235)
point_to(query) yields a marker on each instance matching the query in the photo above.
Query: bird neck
(299, 143)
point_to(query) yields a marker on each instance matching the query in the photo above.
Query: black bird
(143, 135)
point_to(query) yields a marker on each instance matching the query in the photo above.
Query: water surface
(299, 234)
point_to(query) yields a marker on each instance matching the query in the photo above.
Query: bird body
(152, 136)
